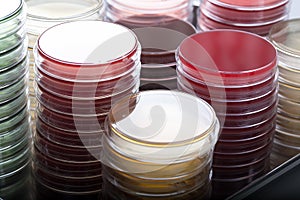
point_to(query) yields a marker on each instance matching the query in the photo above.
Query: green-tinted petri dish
(14, 90)
(11, 123)
(11, 41)
(11, 75)
(14, 149)
(12, 107)
(14, 56)
(12, 166)
(14, 135)
(12, 17)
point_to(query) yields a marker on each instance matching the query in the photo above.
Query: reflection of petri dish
(155, 84)
(90, 58)
(252, 58)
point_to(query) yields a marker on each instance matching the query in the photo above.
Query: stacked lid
(255, 16)
(285, 37)
(42, 15)
(159, 145)
(236, 73)
(159, 42)
(146, 11)
(79, 74)
(14, 124)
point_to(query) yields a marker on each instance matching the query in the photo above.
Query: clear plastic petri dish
(288, 107)
(233, 93)
(247, 143)
(12, 17)
(80, 107)
(66, 153)
(237, 107)
(253, 58)
(14, 135)
(287, 138)
(42, 15)
(88, 90)
(11, 123)
(292, 125)
(240, 171)
(66, 185)
(241, 158)
(158, 71)
(285, 149)
(13, 40)
(9, 109)
(10, 92)
(81, 124)
(249, 5)
(90, 58)
(15, 164)
(11, 75)
(145, 11)
(248, 15)
(289, 92)
(155, 84)
(13, 57)
(66, 169)
(206, 24)
(71, 139)
(12, 150)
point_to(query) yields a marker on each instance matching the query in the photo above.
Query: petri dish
(13, 57)
(13, 40)
(199, 56)
(245, 5)
(91, 58)
(42, 15)
(9, 109)
(11, 123)
(12, 17)
(10, 92)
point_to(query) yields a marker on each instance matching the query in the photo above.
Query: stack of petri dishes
(236, 73)
(146, 11)
(79, 74)
(42, 15)
(159, 145)
(159, 42)
(254, 16)
(285, 37)
(14, 122)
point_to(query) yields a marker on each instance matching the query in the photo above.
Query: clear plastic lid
(12, 17)
(161, 127)
(249, 5)
(147, 10)
(12, 107)
(88, 90)
(84, 51)
(10, 123)
(13, 74)
(285, 37)
(246, 58)
(245, 18)
(45, 14)
(14, 90)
